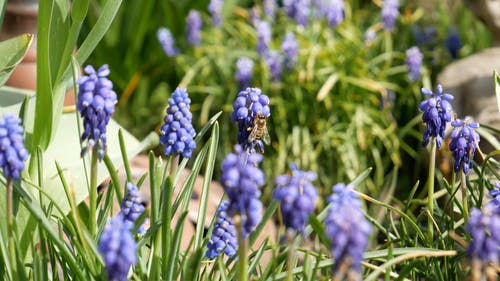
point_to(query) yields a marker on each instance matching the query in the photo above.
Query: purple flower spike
(297, 196)
(167, 42)
(390, 12)
(290, 48)
(224, 236)
(118, 248)
(215, 10)
(437, 113)
(414, 61)
(241, 179)
(248, 104)
(132, 207)
(464, 141)
(348, 230)
(193, 28)
(263, 37)
(495, 193)
(177, 134)
(12, 150)
(335, 12)
(484, 229)
(244, 72)
(96, 104)
(298, 10)
(453, 43)
(274, 61)
(270, 7)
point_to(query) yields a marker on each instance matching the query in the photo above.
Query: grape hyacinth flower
(96, 103)
(495, 193)
(437, 113)
(484, 229)
(167, 42)
(244, 72)
(274, 61)
(298, 10)
(297, 196)
(248, 104)
(390, 12)
(224, 236)
(270, 7)
(177, 134)
(241, 179)
(12, 150)
(426, 36)
(118, 248)
(263, 37)
(215, 10)
(414, 61)
(132, 207)
(334, 12)
(290, 49)
(453, 43)
(464, 141)
(348, 230)
(193, 28)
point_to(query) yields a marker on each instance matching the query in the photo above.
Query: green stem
(465, 203)
(290, 255)
(93, 193)
(430, 187)
(10, 227)
(242, 250)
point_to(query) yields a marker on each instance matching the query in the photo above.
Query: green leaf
(497, 88)
(12, 51)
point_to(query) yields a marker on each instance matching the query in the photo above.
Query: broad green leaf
(12, 51)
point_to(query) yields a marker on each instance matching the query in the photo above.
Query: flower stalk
(430, 188)
(242, 250)
(93, 192)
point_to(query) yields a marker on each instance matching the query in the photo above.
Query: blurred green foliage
(345, 107)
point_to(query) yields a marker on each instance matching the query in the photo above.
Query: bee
(259, 129)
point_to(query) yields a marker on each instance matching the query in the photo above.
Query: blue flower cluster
(464, 141)
(244, 72)
(177, 134)
(348, 230)
(290, 48)
(96, 103)
(263, 37)
(215, 10)
(270, 7)
(484, 229)
(414, 61)
(437, 113)
(167, 42)
(12, 150)
(132, 207)
(334, 12)
(453, 43)
(118, 248)
(247, 105)
(224, 236)
(297, 197)
(298, 10)
(495, 193)
(193, 27)
(241, 179)
(390, 12)
(274, 61)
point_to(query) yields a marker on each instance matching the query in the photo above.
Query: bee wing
(253, 134)
(265, 137)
